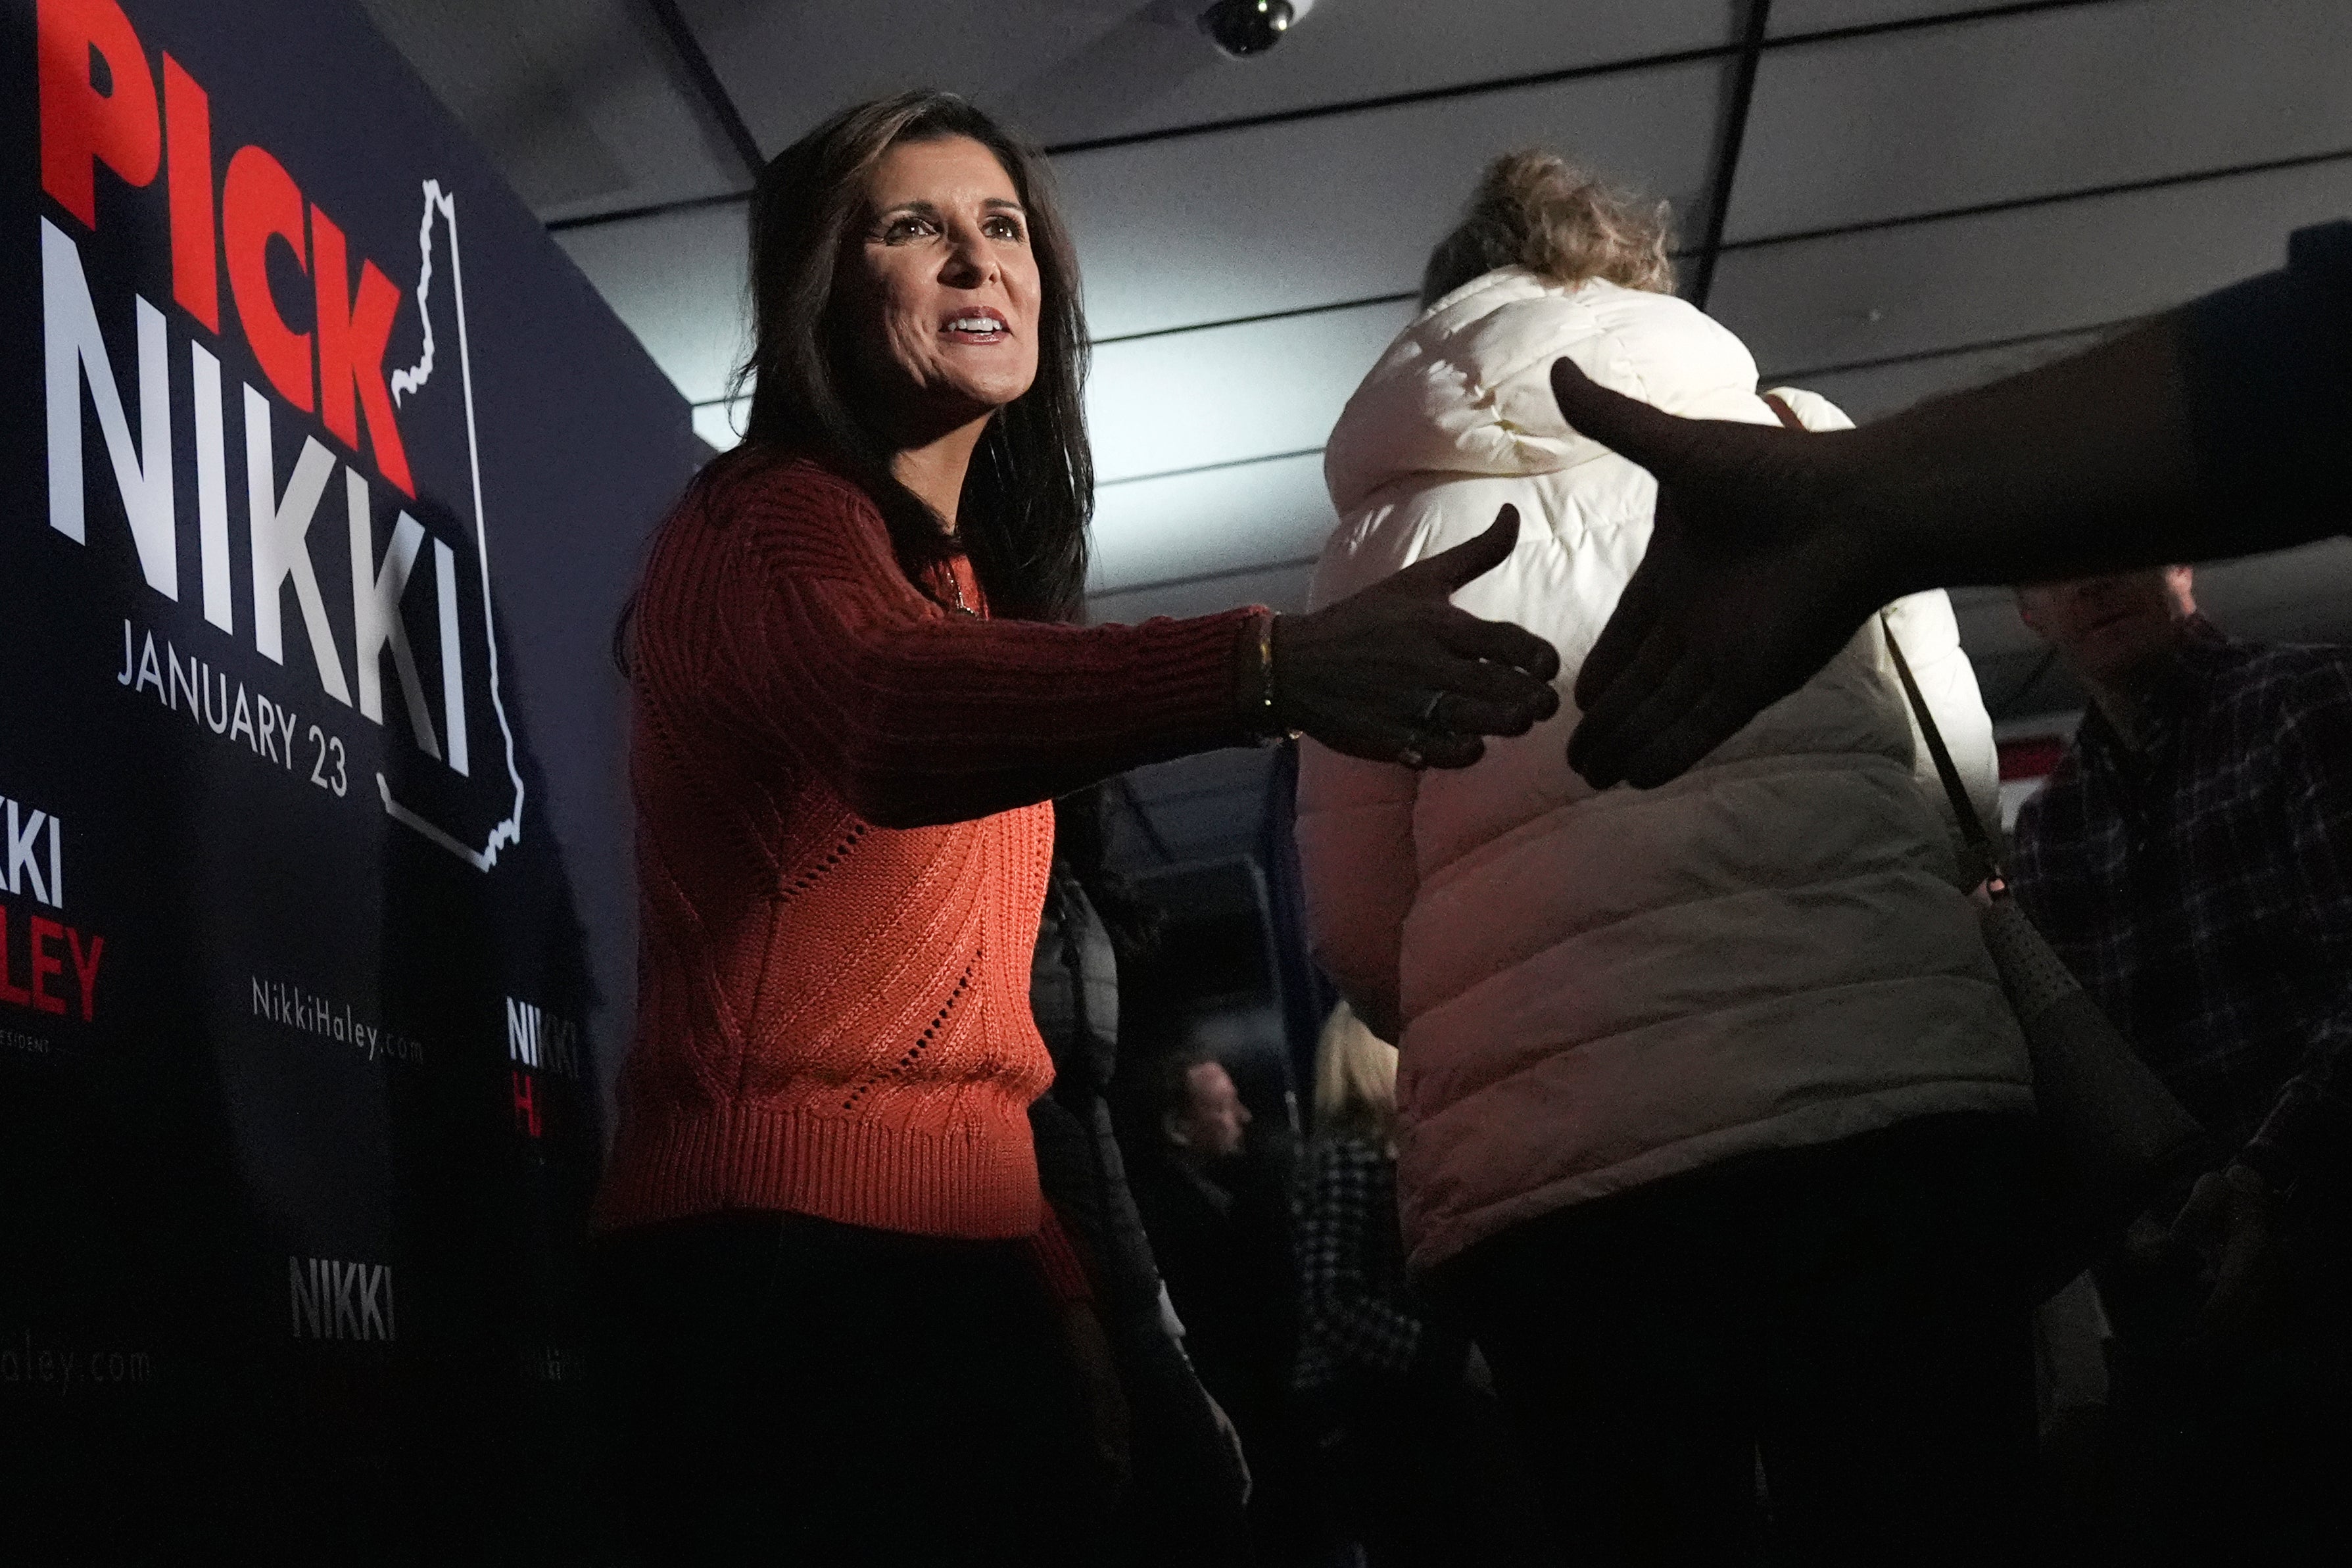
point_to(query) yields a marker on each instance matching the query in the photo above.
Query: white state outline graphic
(510, 831)
(409, 380)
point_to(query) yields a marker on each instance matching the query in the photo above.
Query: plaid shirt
(1357, 1313)
(2201, 890)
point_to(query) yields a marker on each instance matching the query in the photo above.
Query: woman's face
(943, 287)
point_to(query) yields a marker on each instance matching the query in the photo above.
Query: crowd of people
(1670, 1183)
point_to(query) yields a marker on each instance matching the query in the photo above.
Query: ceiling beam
(1255, 569)
(1727, 156)
(2047, 199)
(706, 85)
(1289, 314)
(1752, 40)
(1950, 351)
(1391, 100)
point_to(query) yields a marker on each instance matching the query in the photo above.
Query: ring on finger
(1411, 758)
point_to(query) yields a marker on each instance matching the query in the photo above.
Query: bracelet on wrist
(1267, 726)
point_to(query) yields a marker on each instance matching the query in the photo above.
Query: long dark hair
(1030, 491)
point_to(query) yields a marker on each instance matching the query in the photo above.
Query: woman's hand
(1396, 673)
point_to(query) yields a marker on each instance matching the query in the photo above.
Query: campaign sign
(325, 482)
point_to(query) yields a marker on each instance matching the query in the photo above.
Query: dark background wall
(299, 1022)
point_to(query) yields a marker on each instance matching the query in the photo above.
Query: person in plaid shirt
(2191, 861)
(1408, 1438)
(1359, 1319)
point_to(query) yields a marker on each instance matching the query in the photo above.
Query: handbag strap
(1964, 810)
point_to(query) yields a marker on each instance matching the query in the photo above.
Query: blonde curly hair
(1355, 1081)
(1561, 222)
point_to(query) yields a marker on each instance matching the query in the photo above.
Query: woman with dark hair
(840, 1319)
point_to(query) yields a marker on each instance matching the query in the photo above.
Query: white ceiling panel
(1893, 125)
(1187, 525)
(1276, 217)
(1074, 70)
(1874, 391)
(581, 102)
(1821, 16)
(1924, 287)
(1277, 587)
(721, 424)
(1223, 394)
(677, 280)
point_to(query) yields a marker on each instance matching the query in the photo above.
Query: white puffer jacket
(1597, 990)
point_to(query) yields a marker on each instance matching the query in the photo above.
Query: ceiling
(1886, 199)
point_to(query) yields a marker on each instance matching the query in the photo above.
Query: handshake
(1772, 545)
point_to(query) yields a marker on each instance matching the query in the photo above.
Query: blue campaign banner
(326, 483)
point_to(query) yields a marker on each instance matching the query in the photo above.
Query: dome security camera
(1244, 28)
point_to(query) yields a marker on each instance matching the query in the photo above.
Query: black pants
(785, 1390)
(1845, 1312)
(2237, 1452)
(1184, 1508)
(1421, 1473)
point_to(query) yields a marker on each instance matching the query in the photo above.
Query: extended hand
(1397, 673)
(1748, 586)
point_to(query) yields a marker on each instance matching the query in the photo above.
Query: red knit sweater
(842, 855)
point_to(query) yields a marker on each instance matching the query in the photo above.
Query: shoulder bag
(2111, 1136)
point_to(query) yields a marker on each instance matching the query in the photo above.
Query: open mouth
(980, 326)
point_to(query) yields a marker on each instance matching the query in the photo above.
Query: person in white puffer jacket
(1714, 1112)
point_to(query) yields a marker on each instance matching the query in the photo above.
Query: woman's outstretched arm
(916, 715)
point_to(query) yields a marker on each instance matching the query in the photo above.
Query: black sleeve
(1132, 1270)
(2269, 371)
(1065, 1171)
